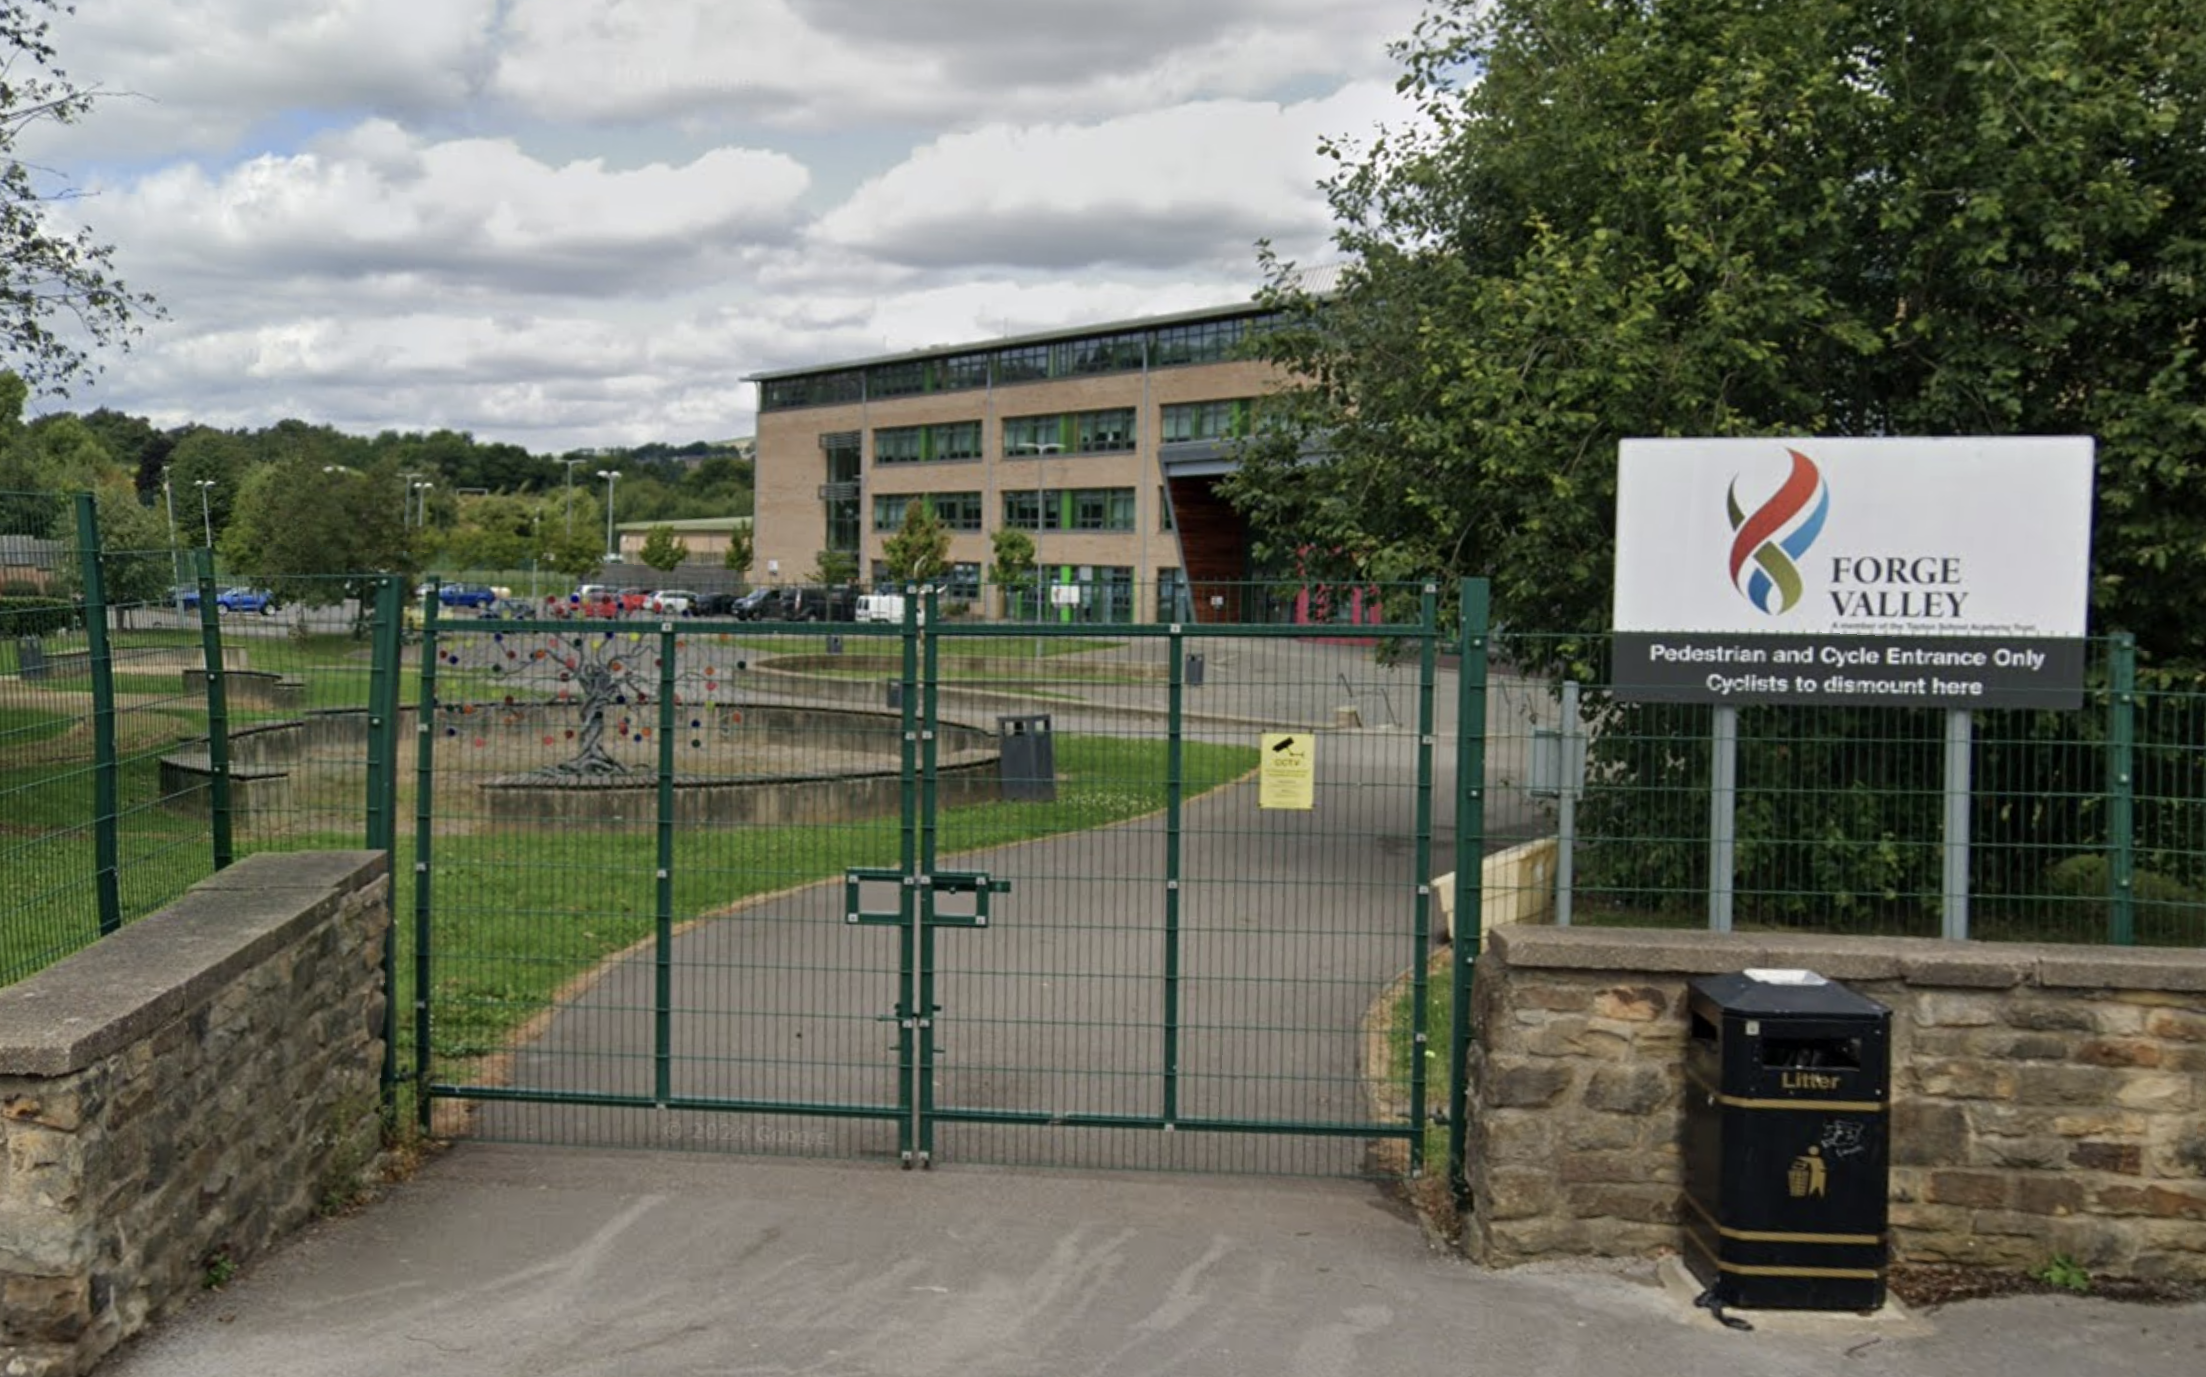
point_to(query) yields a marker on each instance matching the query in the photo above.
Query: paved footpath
(558, 1262)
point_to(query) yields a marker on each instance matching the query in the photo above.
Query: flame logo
(1767, 545)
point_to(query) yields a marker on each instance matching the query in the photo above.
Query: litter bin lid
(1755, 992)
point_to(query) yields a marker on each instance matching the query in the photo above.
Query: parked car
(880, 607)
(671, 602)
(477, 595)
(184, 595)
(246, 600)
(717, 604)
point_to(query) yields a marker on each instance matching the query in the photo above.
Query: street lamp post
(611, 476)
(176, 554)
(1041, 453)
(421, 492)
(206, 519)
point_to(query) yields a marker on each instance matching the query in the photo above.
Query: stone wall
(178, 1095)
(2045, 1099)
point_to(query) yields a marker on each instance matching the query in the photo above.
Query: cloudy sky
(564, 223)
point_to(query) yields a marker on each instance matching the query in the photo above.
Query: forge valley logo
(1768, 543)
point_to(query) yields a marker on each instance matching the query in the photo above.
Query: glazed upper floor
(1160, 342)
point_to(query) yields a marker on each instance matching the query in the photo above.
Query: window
(1022, 511)
(954, 440)
(1164, 508)
(1027, 436)
(1077, 509)
(899, 444)
(812, 389)
(896, 379)
(841, 449)
(1081, 432)
(1203, 342)
(1172, 600)
(962, 582)
(1103, 509)
(1027, 363)
(1195, 421)
(1096, 354)
(1103, 432)
(888, 510)
(961, 372)
(947, 441)
(960, 511)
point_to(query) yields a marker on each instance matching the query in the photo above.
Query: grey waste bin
(1029, 759)
(1787, 1144)
(1194, 671)
(30, 657)
(896, 695)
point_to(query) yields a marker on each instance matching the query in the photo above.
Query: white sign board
(1953, 572)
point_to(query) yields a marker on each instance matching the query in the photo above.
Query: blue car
(185, 596)
(467, 595)
(246, 600)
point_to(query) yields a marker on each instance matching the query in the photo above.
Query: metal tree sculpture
(600, 672)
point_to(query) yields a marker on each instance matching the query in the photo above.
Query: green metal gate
(957, 889)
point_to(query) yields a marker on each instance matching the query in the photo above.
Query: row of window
(1072, 509)
(959, 511)
(1110, 431)
(1123, 351)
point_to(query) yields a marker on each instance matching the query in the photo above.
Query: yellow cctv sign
(1288, 775)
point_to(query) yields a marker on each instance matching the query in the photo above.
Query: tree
(919, 552)
(316, 538)
(56, 288)
(1727, 217)
(835, 568)
(663, 550)
(741, 550)
(1013, 569)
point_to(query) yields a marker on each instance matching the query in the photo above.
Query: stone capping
(1921, 961)
(129, 983)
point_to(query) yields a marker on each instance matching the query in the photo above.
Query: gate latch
(978, 883)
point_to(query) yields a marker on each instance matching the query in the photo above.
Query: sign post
(1950, 573)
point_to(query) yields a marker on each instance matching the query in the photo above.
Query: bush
(35, 616)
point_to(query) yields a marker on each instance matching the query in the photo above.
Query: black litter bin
(1029, 759)
(1787, 1146)
(1194, 671)
(30, 658)
(896, 694)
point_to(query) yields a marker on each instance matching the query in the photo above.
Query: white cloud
(1193, 183)
(583, 222)
(378, 206)
(197, 74)
(852, 63)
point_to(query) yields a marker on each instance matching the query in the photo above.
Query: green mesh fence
(128, 771)
(1002, 891)
(2082, 825)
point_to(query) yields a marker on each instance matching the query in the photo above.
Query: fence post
(2121, 779)
(106, 768)
(662, 947)
(1428, 663)
(425, 766)
(1470, 849)
(1723, 817)
(382, 802)
(218, 713)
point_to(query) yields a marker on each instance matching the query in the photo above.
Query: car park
(246, 600)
